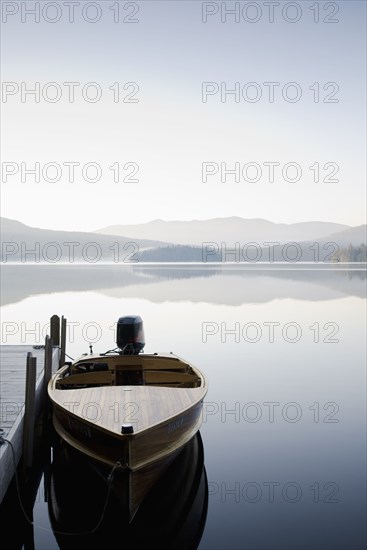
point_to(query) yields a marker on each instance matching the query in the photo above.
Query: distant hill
(326, 249)
(351, 254)
(354, 236)
(177, 253)
(19, 240)
(321, 250)
(228, 230)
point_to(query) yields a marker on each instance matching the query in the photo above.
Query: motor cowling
(130, 338)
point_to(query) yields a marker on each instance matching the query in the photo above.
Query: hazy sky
(298, 76)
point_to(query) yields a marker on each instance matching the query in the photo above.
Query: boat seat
(170, 377)
(164, 364)
(88, 378)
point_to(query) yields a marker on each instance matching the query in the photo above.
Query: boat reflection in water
(84, 511)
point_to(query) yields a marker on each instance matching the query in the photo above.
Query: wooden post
(30, 411)
(55, 329)
(47, 375)
(63, 341)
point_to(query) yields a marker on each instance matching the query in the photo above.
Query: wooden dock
(23, 399)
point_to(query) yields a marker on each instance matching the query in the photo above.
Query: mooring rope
(110, 479)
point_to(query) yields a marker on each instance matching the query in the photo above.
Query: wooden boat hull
(153, 452)
(164, 412)
(133, 452)
(172, 516)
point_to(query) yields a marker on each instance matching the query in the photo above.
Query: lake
(284, 422)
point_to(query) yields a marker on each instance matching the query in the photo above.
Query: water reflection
(216, 285)
(18, 510)
(84, 514)
(259, 449)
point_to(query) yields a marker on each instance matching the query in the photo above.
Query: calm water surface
(284, 425)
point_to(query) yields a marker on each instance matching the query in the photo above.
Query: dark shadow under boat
(86, 510)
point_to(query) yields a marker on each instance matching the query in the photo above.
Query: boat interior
(129, 370)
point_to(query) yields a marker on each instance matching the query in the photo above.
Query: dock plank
(12, 380)
(13, 360)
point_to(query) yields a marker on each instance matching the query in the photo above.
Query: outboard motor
(130, 337)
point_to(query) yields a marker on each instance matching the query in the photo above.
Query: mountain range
(228, 230)
(175, 241)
